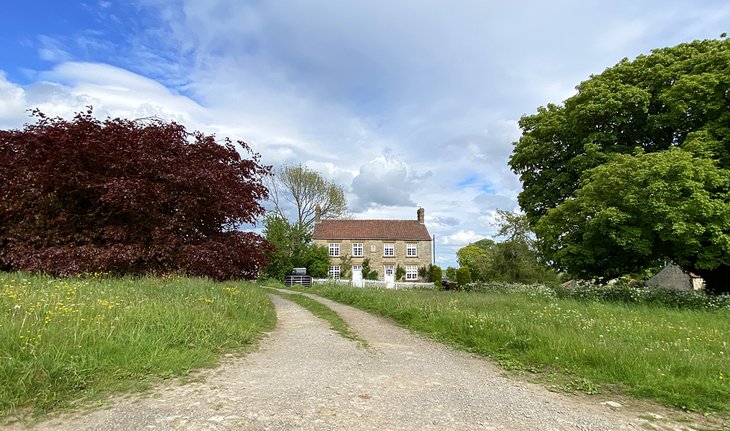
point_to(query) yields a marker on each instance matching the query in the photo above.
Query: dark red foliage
(127, 197)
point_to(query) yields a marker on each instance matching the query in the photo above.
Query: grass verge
(675, 356)
(323, 312)
(64, 342)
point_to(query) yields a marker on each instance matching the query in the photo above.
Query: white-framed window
(411, 250)
(389, 250)
(334, 271)
(411, 272)
(357, 268)
(389, 269)
(334, 249)
(357, 249)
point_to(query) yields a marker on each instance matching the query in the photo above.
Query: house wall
(373, 250)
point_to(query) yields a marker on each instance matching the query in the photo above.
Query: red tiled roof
(411, 230)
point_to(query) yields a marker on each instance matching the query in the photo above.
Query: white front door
(357, 276)
(389, 276)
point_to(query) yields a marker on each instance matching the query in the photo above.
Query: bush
(127, 197)
(400, 273)
(367, 272)
(436, 276)
(463, 277)
(620, 292)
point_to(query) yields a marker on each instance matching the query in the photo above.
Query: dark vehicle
(446, 284)
(298, 277)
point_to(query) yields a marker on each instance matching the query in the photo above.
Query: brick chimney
(317, 214)
(421, 216)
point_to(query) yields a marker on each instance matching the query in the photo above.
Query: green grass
(324, 312)
(678, 357)
(64, 342)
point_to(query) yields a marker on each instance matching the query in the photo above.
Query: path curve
(305, 376)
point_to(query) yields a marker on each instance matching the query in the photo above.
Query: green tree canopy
(478, 257)
(632, 169)
(513, 260)
(292, 249)
(647, 206)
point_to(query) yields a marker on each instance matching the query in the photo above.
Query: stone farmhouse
(386, 243)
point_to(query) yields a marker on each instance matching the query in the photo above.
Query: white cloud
(52, 50)
(12, 103)
(385, 181)
(461, 238)
(122, 92)
(70, 87)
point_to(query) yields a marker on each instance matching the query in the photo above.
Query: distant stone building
(386, 243)
(674, 277)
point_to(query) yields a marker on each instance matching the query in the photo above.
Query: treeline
(513, 260)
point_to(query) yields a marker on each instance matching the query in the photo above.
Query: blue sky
(404, 104)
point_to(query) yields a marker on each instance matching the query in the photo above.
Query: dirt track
(305, 376)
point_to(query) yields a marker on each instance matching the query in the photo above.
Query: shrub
(463, 277)
(436, 276)
(620, 292)
(127, 197)
(400, 272)
(367, 272)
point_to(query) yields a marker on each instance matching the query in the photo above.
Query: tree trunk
(717, 281)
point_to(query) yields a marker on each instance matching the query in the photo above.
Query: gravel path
(305, 376)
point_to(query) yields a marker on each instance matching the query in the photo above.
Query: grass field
(64, 342)
(678, 357)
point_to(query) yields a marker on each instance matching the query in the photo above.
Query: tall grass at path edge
(678, 357)
(64, 342)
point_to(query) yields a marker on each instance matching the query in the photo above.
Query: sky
(403, 103)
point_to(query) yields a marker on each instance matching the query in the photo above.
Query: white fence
(375, 283)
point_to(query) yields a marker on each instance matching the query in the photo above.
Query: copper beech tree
(128, 197)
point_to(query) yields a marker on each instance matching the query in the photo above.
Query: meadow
(65, 342)
(677, 356)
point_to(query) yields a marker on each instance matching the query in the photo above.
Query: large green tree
(637, 210)
(633, 168)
